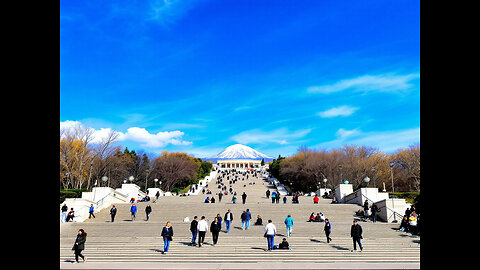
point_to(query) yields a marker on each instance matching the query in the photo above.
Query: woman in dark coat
(167, 233)
(80, 245)
(215, 229)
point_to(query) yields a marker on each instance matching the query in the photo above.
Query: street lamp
(131, 178)
(146, 178)
(393, 191)
(325, 181)
(104, 179)
(340, 166)
(156, 180)
(366, 179)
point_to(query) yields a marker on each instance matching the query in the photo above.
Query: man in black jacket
(244, 197)
(228, 219)
(356, 234)
(113, 212)
(193, 229)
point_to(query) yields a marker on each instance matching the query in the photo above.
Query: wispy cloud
(338, 111)
(279, 136)
(386, 141)
(367, 83)
(166, 12)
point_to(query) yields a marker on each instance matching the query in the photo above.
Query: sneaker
(84, 259)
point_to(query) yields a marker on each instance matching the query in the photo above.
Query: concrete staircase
(140, 240)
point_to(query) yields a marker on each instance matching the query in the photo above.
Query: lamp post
(340, 166)
(131, 178)
(325, 181)
(393, 191)
(104, 179)
(155, 180)
(146, 178)
(366, 179)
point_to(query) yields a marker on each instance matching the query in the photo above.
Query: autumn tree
(172, 168)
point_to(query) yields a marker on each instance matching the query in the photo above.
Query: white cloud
(366, 83)
(281, 136)
(135, 134)
(338, 111)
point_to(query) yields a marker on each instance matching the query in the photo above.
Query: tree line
(84, 162)
(306, 170)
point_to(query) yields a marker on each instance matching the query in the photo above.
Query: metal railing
(394, 213)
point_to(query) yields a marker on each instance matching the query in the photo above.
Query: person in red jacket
(315, 199)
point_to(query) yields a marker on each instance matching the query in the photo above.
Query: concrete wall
(342, 190)
(387, 205)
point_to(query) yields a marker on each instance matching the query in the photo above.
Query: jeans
(243, 223)
(374, 215)
(270, 238)
(166, 244)
(133, 215)
(289, 230)
(194, 236)
(355, 241)
(227, 223)
(63, 217)
(247, 223)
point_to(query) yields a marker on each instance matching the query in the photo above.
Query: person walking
(375, 210)
(234, 199)
(148, 210)
(248, 216)
(328, 230)
(243, 217)
(228, 219)
(202, 228)
(270, 231)
(277, 197)
(193, 229)
(63, 217)
(285, 200)
(215, 229)
(167, 233)
(90, 211)
(220, 195)
(244, 197)
(80, 245)
(219, 218)
(273, 196)
(267, 193)
(113, 212)
(356, 234)
(133, 211)
(289, 223)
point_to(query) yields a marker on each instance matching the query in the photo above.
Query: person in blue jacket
(133, 211)
(289, 223)
(90, 211)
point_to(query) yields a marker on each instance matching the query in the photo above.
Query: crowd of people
(199, 228)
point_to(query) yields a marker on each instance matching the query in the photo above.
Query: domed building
(239, 156)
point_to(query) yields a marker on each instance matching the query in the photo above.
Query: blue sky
(198, 76)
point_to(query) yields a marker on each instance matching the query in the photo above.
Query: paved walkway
(138, 244)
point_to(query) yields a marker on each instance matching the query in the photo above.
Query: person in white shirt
(202, 228)
(270, 231)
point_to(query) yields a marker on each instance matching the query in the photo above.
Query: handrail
(393, 211)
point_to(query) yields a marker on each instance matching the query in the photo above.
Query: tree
(263, 162)
(172, 168)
